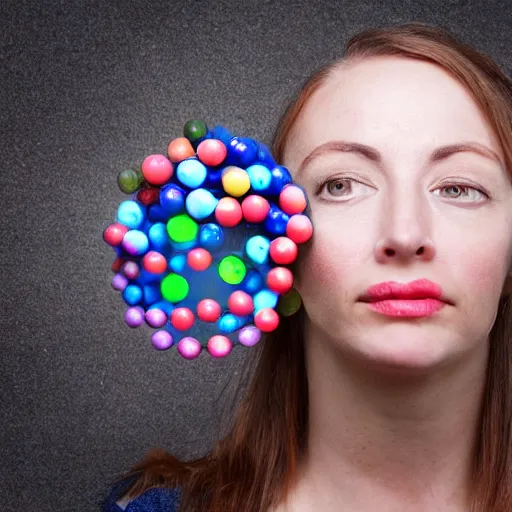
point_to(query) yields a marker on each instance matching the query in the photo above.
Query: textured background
(89, 88)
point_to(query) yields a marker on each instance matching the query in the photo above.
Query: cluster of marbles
(204, 246)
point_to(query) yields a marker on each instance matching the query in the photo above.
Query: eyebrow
(373, 155)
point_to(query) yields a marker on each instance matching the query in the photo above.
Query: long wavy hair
(255, 465)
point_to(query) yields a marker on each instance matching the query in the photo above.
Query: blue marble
(191, 173)
(252, 283)
(158, 237)
(211, 237)
(131, 214)
(178, 263)
(260, 177)
(132, 294)
(280, 178)
(276, 220)
(172, 199)
(151, 294)
(257, 249)
(265, 299)
(201, 203)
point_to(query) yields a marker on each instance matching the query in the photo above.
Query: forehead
(396, 104)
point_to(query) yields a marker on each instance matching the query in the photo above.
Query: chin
(402, 349)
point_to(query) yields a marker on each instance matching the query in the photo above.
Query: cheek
(474, 265)
(480, 270)
(483, 272)
(335, 254)
(482, 252)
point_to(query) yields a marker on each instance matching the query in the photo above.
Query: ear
(507, 287)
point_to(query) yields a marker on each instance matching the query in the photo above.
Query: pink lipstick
(416, 299)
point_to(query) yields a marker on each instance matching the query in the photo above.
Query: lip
(418, 298)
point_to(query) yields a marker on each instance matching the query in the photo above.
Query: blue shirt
(153, 500)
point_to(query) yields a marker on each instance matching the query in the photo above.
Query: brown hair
(254, 466)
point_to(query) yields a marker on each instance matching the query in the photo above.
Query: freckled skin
(405, 109)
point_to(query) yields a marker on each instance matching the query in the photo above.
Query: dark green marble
(195, 130)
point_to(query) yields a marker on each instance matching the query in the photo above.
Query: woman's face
(407, 206)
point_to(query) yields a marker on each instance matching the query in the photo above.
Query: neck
(382, 440)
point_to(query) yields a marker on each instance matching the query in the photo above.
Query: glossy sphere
(276, 221)
(211, 236)
(148, 195)
(117, 264)
(208, 310)
(201, 203)
(114, 234)
(199, 259)
(211, 152)
(195, 130)
(151, 294)
(180, 149)
(249, 336)
(253, 282)
(134, 317)
(182, 319)
(131, 270)
(157, 169)
(174, 288)
(280, 279)
(255, 208)
(178, 263)
(266, 320)
(191, 173)
(172, 199)
(161, 340)
(265, 299)
(119, 282)
(257, 249)
(156, 317)
(283, 250)
(131, 214)
(299, 229)
(228, 212)
(292, 200)
(182, 228)
(158, 237)
(242, 151)
(189, 348)
(232, 270)
(240, 303)
(280, 178)
(235, 181)
(130, 180)
(229, 323)
(289, 303)
(154, 262)
(132, 294)
(135, 242)
(219, 346)
(260, 177)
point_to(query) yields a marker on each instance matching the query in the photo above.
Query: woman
(390, 390)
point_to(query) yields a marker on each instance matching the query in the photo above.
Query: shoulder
(153, 500)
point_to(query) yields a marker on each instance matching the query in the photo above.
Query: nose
(405, 230)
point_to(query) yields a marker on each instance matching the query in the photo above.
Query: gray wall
(87, 89)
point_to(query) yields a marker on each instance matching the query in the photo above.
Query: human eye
(462, 192)
(342, 188)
